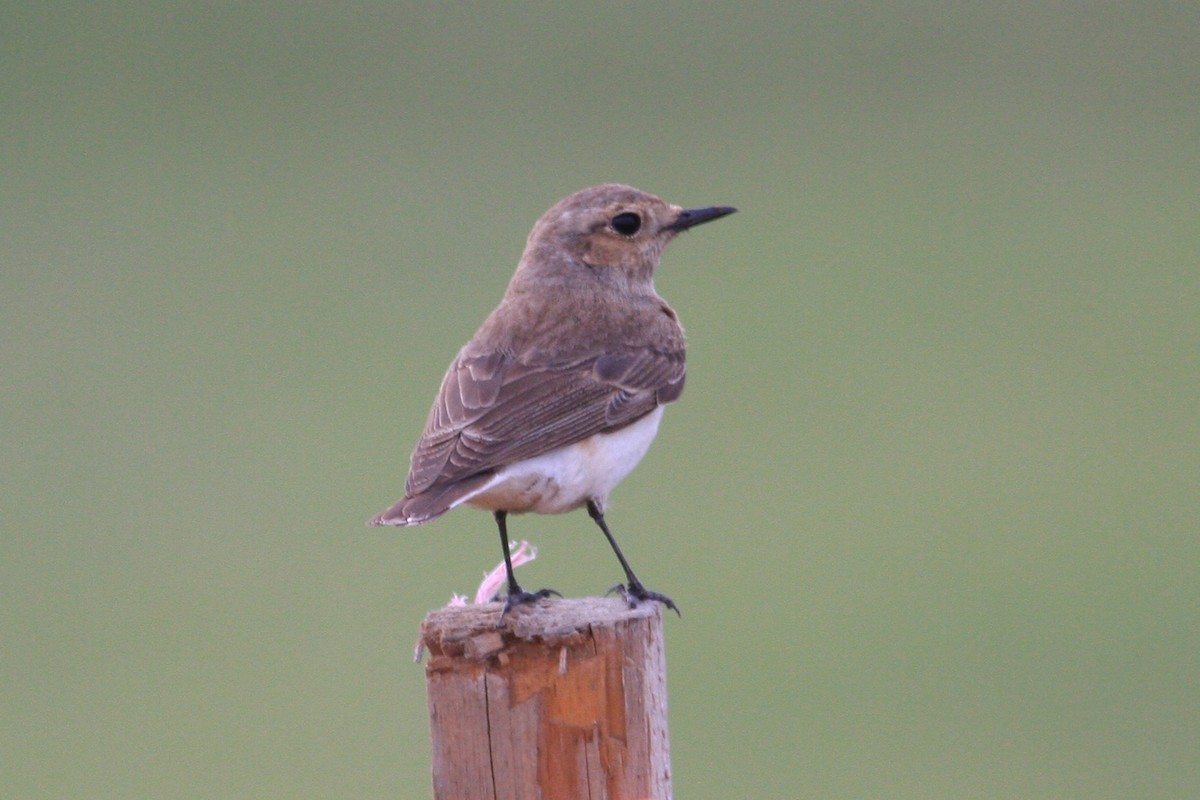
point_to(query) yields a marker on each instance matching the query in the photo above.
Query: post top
(478, 632)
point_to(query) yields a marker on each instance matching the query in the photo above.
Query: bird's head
(615, 233)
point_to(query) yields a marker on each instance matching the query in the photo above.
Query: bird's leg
(633, 591)
(502, 524)
(516, 595)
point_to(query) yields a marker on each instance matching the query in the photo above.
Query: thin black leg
(633, 591)
(502, 524)
(516, 595)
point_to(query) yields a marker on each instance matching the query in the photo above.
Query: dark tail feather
(401, 514)
(431, 503)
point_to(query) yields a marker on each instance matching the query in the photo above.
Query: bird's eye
(627, 223)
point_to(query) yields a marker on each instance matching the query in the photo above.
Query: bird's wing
(493, 409)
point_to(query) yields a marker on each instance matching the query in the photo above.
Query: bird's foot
(635, 593)
(519, 596)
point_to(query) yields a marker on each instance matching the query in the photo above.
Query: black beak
(690, 217)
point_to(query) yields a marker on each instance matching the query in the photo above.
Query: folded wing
(494, 410)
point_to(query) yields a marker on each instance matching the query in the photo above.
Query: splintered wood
(564, 699)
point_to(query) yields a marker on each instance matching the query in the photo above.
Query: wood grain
(563, 699)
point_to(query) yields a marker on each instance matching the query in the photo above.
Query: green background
(929, 504)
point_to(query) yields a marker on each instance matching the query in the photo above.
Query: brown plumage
(580, 348)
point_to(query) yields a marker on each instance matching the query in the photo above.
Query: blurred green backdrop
(930, 501)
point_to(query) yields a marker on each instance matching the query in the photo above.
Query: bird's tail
(396, 515)
(432, 502)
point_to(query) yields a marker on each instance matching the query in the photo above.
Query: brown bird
(558, 395)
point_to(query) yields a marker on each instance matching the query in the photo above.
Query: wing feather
(494, 410)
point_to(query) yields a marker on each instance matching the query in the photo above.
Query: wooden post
(565, 699)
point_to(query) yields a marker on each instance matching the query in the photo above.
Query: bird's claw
(636, 593)
(520, 597)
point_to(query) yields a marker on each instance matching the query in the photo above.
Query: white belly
(567, 478)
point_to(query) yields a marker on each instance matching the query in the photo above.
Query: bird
(559, 393)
